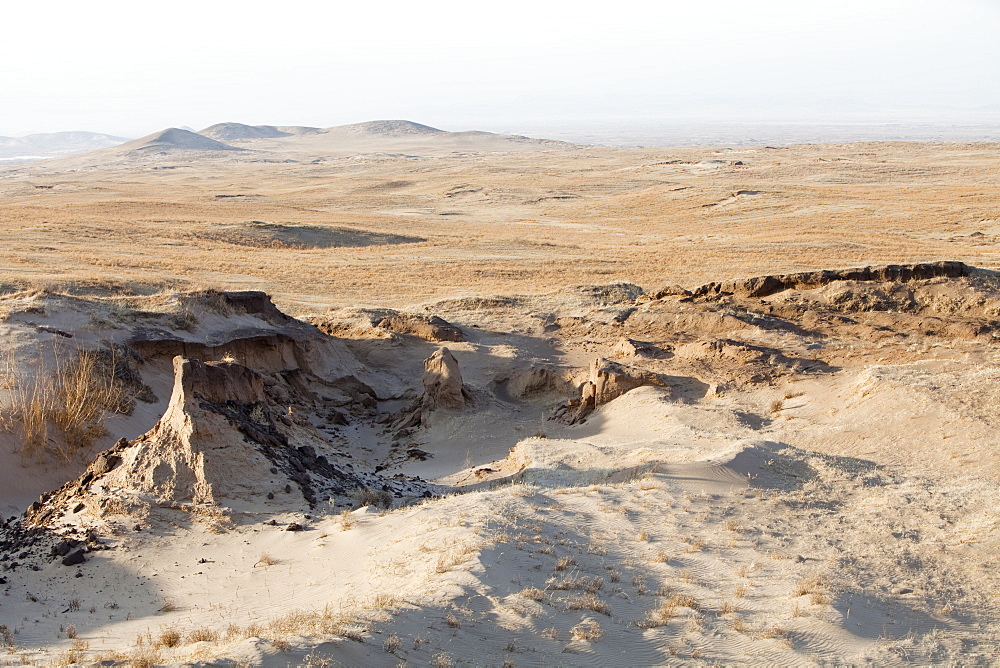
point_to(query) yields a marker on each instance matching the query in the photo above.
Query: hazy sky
(131, 68)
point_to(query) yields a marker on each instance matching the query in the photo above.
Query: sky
(132, 68)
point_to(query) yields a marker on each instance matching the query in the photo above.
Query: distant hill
(173, 140)
(236, 131)
(388, 129)
(55, 144)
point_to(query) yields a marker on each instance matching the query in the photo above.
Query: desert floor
(800, 475)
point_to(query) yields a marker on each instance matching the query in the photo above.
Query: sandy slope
(813, 479)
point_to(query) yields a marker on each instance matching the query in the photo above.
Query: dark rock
(294, 526)
(74, 558)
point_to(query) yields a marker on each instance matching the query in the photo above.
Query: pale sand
(817, 484)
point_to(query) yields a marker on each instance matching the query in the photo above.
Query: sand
(807, 476)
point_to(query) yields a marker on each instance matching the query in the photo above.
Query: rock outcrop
(763, 286)
(443, 386)
(608, 380)
(443, 390)
(430, 328)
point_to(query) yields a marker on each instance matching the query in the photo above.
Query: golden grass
(60, 410)
(637, 218)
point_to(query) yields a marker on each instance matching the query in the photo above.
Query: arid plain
(537, 403)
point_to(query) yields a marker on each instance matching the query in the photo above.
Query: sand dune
(805, 476)
(551, 406)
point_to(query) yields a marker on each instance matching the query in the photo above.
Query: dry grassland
(391, 230)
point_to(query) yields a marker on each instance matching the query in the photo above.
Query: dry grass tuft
(533, 593)
(667, 610)
(442, 660)
(266, 560)
(391, 644)
(169, 637)
(202, 634)
(578, 582)
(378, 498)
(589, 601)
(71, 397)
(565, 562)
(588, 630)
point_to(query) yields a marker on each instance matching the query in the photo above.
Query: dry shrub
(144, 657)
(816, 587)
(391, 643)
(203, 634)
(266, 560)
(581, 582)
(347, 520)
(667, 610)
(169, 637)
(533, 593)
(588, 630)
(589, 601)
(6, 636)
(75, 654)
(71, 397)
(442, 660)
(379, 498)
(565, 562)
(452, 621)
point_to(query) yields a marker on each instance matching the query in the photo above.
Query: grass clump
(60, 410)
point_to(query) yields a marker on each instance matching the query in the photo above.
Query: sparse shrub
(391, 643)
(168, 606)
(577, 581)
(589, 601)
(144, 657)
(266, 560)
(777, 405)
(72, 397)
(564, 562)
(533, 593)
(727, 608)
(442, 660)
(347, 520)
(203, 634)
(71, 631)
(6, 636)
(379, 498)
(588, 630)
(74, 605)
(169, 637)
(452, 621)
